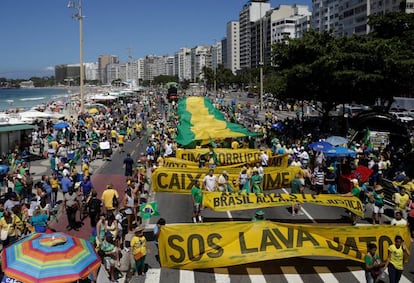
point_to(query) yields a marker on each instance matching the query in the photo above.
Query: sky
(36, 35)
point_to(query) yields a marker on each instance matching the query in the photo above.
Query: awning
(12, 128)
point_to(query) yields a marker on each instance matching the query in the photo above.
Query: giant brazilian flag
(201, 121)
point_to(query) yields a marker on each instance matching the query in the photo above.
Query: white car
(403, 117)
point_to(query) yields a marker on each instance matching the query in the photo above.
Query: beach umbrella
(339, 151)
(93, 111)
(60, 125)
(55, 257)
(320, 146)
(336, 140)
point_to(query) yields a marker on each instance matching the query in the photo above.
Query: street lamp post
(79, 17)
(261, 58)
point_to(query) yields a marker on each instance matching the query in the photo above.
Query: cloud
(50, 68)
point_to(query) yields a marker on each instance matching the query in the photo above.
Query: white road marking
(256, 275)
(291, 275)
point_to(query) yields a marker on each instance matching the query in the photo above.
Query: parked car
(403, 117)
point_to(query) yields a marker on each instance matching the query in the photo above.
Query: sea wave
(32, 98)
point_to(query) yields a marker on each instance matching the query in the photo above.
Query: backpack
(114, 201)
(94, 206)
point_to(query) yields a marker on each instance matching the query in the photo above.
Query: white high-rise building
(251, 13)
(232, 56)
(325, 15)
(200, 57)
(290, 21)
(91, 71)
(182, 65)
(216, 55)
(347, 17)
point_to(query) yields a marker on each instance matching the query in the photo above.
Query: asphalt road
(178, 209)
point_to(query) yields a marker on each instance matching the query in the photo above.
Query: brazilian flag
(149, 210)
(201, 122)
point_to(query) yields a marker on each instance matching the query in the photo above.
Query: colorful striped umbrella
(55, 257)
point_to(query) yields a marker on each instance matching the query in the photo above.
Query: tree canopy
(357, 69)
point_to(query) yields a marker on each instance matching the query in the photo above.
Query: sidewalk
(39, 167)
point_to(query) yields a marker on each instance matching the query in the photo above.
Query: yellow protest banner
(274, 161)
(181, 180)
(227, 156)
(220, 244)
(234, 201)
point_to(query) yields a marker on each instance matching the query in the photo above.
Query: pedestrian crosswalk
(255, 275)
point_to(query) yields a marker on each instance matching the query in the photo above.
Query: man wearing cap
(108, 196)
(330, 180)
(139, 250)
(259, 216)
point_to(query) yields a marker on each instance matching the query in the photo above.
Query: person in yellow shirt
(13, 225)
(139, 250)
(395, 260)
(121, 140)
(138, 129)
(401, 200)
(108, 198)
(85, 168)
(113, 137)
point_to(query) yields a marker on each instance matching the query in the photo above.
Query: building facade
(103, 62)
(182, 65)
(232, 47)
(251, 13)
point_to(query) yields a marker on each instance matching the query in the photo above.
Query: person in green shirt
(197, 199)
(373, 265)
(256, 181)
(378, 196)
(355, 192)
(297, 187)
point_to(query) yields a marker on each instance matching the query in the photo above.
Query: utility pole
(130, 69)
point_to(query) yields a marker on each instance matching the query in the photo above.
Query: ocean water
(29, 97)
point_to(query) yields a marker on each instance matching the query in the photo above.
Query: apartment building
(231, 58)
(251, 13)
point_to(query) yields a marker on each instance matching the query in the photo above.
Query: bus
(172, 92)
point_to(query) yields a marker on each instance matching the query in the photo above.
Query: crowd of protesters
(30, 205)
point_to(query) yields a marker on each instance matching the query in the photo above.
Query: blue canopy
(320, 146)
(60, 125)
(339, 151)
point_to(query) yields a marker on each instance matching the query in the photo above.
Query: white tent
(34, 114)
(102, 97)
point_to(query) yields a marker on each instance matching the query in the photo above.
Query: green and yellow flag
(149, 210)
(201, 121)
